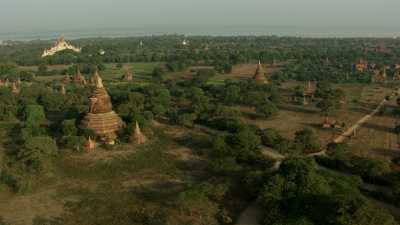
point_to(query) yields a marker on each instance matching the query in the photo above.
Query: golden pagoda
(95, 77)
(101, 118)
(137, 136)
(259, 75)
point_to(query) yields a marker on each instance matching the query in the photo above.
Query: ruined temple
(309, 93)
(380, 77)
(90, 144)
(15, 88)
(362, 65)
(397, 73)
(62, 89)
(79, 78)
(259, 75)
(128, 75)
(66, 79)
(101, 118)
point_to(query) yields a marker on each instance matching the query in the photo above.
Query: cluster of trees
(300, 193)
(304, 59)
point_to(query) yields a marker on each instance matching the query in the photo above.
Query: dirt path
(349, 132)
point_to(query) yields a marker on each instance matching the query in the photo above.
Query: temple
(15, 88)
(62, 90)
(79, 78)
(90, 144)
(259, 75)
(60, 45)
(101, 118)
(362, 65)
(397, 72)
(128, 75)
(379, 77)
(309, 93)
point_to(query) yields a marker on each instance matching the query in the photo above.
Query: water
(317, 32)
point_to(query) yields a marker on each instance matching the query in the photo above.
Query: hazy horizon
(368, 17)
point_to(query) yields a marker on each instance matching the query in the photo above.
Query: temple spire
(259, 75)
(138, 136)
(97, 80)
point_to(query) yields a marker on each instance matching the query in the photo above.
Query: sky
(41, 15)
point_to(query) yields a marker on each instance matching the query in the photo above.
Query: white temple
(59, 46)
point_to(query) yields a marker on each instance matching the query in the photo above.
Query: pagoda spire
(259, 75)
(97, 80)
(90, 144)
(138, 136)
(62, 89)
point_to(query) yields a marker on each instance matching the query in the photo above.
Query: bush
(37, 151)
(267, 109)
(307, 141)
(69, 128)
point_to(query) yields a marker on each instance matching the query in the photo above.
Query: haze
(40, 15)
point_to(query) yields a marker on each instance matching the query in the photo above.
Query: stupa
(14, 88)
(101, 117)
(66, 79)
(379, 77)
(138, 136)
(259, 75)
(79, 78)
(128, 75)
(362, 65)
(95, 77)
(309, 92)
(62, 89)
(397, 74)
(90, 144)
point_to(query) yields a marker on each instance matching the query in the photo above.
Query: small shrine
(90, 144)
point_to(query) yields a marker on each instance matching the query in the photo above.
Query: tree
(36, 152)
(307, 140)
(267, 109)
(232, 94)
(158, 73)
(69, 128)
(246, 140)
(34, 117)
